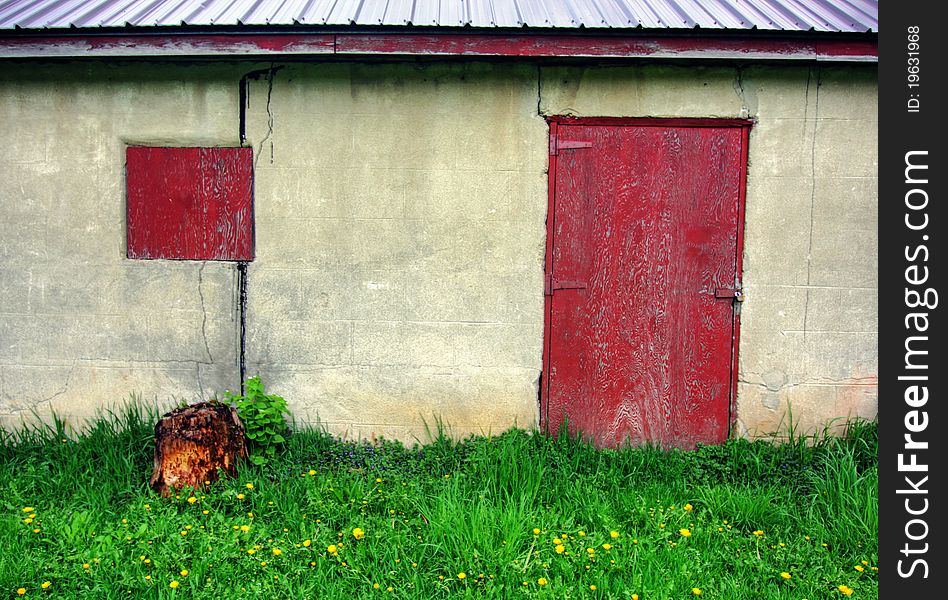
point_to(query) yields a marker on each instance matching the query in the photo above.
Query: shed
(655, 220)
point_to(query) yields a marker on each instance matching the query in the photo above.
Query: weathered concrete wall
(400, 238)
(400, 233)
(82, 327)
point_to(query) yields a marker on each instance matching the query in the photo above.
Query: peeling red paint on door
(644, 245)
(190, 203)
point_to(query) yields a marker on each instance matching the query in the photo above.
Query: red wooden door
(643, 258)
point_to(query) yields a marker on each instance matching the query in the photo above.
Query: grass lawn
(510, 516)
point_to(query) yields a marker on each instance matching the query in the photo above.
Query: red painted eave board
(355, 45)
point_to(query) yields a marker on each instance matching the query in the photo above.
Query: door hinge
(557, 144)
(549, 286)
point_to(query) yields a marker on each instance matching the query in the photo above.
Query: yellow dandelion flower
(614, 534)
(859, 568)
(249, 486)
(635, 597)
(590, 550)
(462, 575)
(205, 512)
(358, 533)
(607, 546)
(240, 496)
(251, 551)
(277, 552)
(635, 541)
(312, 472)
(696, 591)
(785, 575)
(173, 584)
(20, 591)
(689, 507)
(685, 532)
(845, 590)
(245, 528)
(147, 577)
(306, 543)
(28, 509)
(542, 581)
(536, 531)
(375, 586)
(332, 549)
(192, 500)
(389, 589)
(865, 562)
(184, 572)
(582, 534)
(263, 563)
(85, 565)
(46, 584)
(560, 549)
(759, 533)
(593, 587)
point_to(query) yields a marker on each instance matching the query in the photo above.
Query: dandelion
(375, 586)
(689, 507)
(332, 549)
(251, 551)
(358, 533)
(542, 581)
(685, 532)
(192, 500)
(173, 584)
(859, 568)
(46, 584)
(249, 486)
(240, 496)
(306, 543)
(245, 528)
(462, 575)
(590, 551)
(277, 552)
(593, 587)
(389, 589)
(582, 534)
(607, 546)
(20, 591)
(536, 531)
(85, 566)
(184, 572)
(28, 509)
(845, 590)
(312, 472)
(147, 577)
(560, 549)
(635, 597)
(696, 591)
(785, 575)
(759, 533)
(614, 534)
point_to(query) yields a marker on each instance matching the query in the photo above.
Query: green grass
(486, 507)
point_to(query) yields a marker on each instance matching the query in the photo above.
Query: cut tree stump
(193, 442)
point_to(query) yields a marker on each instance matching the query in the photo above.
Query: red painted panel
(644, 230)
(190, 203)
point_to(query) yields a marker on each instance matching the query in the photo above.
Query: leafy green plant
(262, 415)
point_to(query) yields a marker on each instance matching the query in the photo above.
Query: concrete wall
(82, 327)
(400, 233)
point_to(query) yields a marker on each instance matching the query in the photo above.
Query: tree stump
(193, 442)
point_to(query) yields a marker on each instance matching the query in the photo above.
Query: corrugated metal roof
(780, 15)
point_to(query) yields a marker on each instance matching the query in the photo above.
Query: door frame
(554, 123)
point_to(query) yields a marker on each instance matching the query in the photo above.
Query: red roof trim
(449, 44)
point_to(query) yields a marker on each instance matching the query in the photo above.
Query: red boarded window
(190, 203)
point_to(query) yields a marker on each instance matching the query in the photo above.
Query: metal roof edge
(763, 45)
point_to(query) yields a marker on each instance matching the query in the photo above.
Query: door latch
(736, 293)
